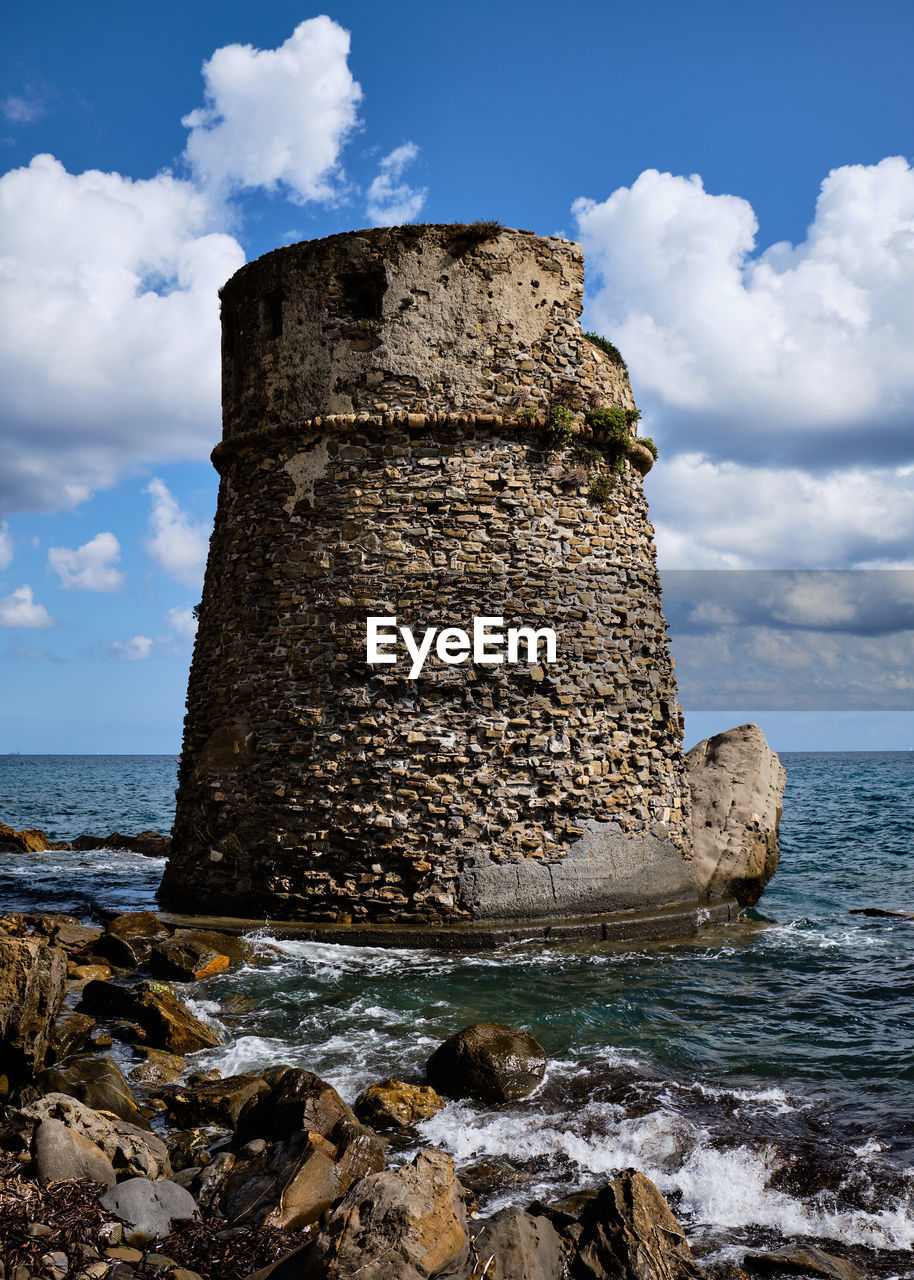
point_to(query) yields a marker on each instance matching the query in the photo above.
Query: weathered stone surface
(806, 1260)
(218, 1102)
(61, 1154)
(149, 843)
(403, 1224)
(97, 1082)
(290, 1184)
(186, 960)
(26, 841)
(129, 938)
(736, 783)
(378, 460)
(166, 1021)
(629, 1233)
(238, 950)
(70, 1033)
(157, 1067)
(391, 1104)
(515, 1246)
(488, 1062)
(297, 1100)
(149, 1210)
(132, 1151)
(32, 987)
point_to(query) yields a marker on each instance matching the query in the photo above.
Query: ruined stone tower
(391, 449)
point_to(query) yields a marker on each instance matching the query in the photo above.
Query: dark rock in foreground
(489, 1062)
(629, 1233)
(32, 986)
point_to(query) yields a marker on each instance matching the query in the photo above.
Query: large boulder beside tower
(737, 784)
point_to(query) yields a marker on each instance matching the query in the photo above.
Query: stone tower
(389, 450)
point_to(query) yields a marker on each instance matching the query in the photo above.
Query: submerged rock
(391, 1104)
(489, 1062)
(403, 1224)
(737, 783)
(628, 1232)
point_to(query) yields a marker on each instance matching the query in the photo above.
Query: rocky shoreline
(169, 1172)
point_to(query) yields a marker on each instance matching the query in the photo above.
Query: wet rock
(70, 1033)
(29, 840)
(149, 843)
(166, 1021)
(129, 938)
(628, 1232)
(404, 1224)
(61, 1154)
(736, 783)
(289, 1185)
(488, 1062)
(391, 1104)
(149, 1210)
(157, 1067)
(515, 1246)
(186, 960)
(238, 949)
(97, 1082)
(132, 1151)
(807, 1260)
(32, 987)
(297, 1100)
(218, 1102)
(88, 972)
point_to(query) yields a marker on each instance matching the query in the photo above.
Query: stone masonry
(386, 451)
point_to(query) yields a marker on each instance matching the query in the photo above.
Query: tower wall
(385, 454)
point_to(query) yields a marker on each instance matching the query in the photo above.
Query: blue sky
(740, 178)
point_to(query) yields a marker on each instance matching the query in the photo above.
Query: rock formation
(415, 427)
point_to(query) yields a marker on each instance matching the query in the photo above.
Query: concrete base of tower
(662, 924)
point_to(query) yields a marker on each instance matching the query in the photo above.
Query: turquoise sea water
(762, 1075)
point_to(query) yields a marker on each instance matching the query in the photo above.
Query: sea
(761, 1073)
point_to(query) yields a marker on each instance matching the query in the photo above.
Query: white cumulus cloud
(797, 355)
(136, 649)
(182, 621)
(392, 201)
(20, 609)
(177, 543)
(109, 328)
(276, 115)
(89, 567)
(6, 546)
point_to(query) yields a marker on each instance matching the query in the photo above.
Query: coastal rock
(391, 1104)
(132, 1151)
(29, 840)
(157, 1067)
(151, 844)
(404, 1224)
(736, 782)
(32, 987)
(70, 1033)
(149, 1210)
(97, 1082)
(186, 960)
(297, 1099)
(61, 1154)
(129, 938)
(167, 1023)
(515, 1246)
(628, 1232)
(289, 1185)
(488, 1062)
(807, 1260)
(218, 1102)
(238, 949)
